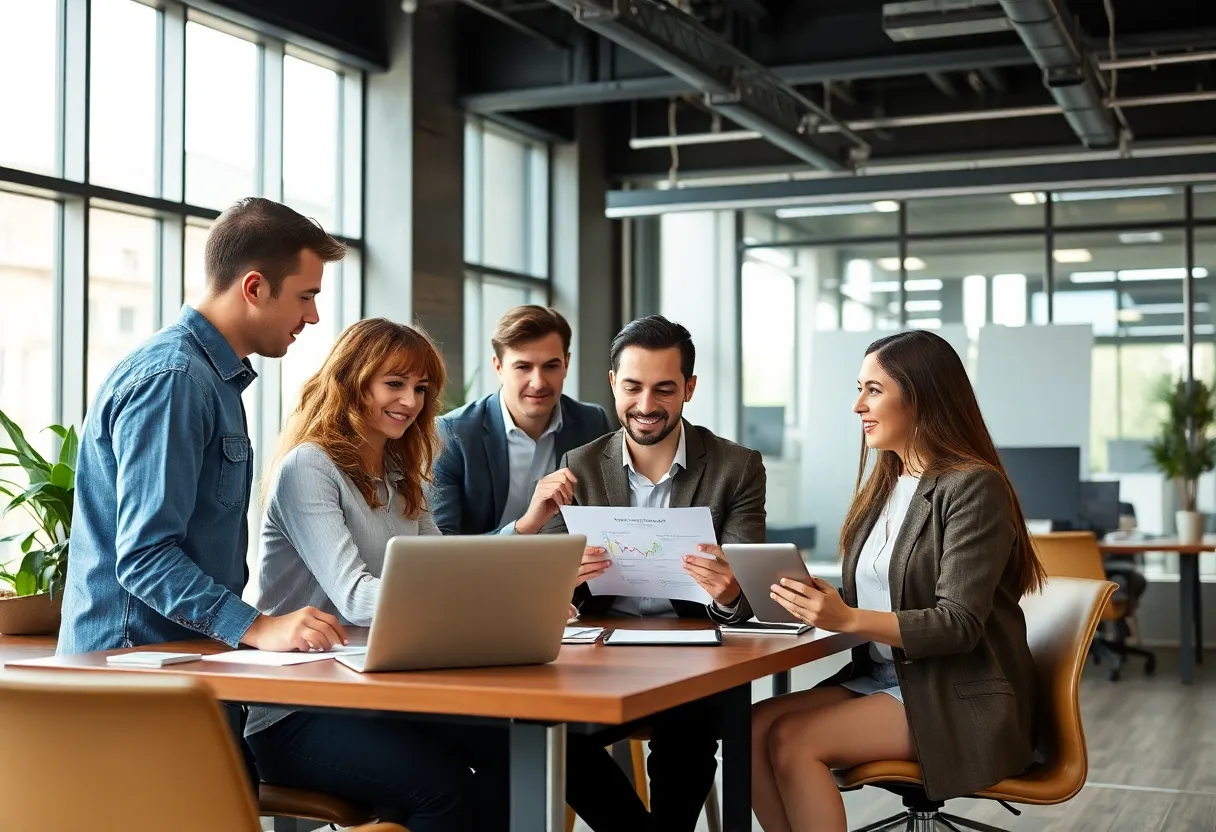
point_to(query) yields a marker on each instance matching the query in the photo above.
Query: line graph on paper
(645, 559)
(646, 548)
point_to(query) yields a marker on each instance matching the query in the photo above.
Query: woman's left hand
(818, 604)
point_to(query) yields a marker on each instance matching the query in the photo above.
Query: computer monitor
(1047, 482)
(1100, 506)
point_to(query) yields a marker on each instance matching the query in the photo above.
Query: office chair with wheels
(1076, 554)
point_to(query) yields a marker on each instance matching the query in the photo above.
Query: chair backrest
(1070, 555)
(136, 752)
(1060, 624)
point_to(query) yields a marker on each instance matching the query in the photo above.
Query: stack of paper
(581, 635)
(266, 658)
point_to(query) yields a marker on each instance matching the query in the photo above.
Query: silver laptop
(476, 601)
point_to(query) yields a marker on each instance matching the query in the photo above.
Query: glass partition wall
(1114, 261)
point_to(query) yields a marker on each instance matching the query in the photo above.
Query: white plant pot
(1189, 525)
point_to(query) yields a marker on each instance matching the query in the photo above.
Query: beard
(666, 425)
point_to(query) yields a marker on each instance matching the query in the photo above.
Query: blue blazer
(472, 474)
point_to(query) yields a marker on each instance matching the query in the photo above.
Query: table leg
(1188, 568)
(737, 759)
(1198, 615)
(781, 683)
(538, 777)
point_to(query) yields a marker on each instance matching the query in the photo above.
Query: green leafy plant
(47, 497)
(1183, 451)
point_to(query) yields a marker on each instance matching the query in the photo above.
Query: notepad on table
(581, 635)
(151, 658)
(665, 637)
(266, 658)
(761, 628)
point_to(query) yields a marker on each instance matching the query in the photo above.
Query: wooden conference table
(587, 687)
(1190, 606)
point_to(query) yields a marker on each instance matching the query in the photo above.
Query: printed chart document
(647, 548)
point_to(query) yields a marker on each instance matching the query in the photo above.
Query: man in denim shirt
(165, 467)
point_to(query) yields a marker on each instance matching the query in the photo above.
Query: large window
(176, 115)
(506, 234)
(1110, 261)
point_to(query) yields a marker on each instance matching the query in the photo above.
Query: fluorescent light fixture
(1177, 273)
(891, 264)
(923, 305)
(1143, 309)
(1137, 237)
(923, 284)
(1028, 198)
(1124, 193)
(1177, 330)
(1072, 255)
(925, 323)
(882, 206)
(1129, 316)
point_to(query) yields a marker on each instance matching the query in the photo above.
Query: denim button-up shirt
(163, 477)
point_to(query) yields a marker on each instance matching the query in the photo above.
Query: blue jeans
(415, 774)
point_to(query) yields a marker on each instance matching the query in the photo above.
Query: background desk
(587, 685)
(1190, 606)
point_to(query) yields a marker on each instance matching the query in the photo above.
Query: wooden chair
(1060, 621)
(140, 753)
(1076, 555)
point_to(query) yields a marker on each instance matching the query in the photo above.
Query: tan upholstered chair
(293, 809)
(1060, 623)
(140, 753)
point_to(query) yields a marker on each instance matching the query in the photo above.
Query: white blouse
(874, 564)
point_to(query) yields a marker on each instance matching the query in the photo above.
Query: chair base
(1115, 653)
(913, 821)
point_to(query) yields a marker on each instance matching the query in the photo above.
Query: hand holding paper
(646, 548)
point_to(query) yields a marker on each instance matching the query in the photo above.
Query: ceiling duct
(926, 19)
(741, 89)
(1068, 73)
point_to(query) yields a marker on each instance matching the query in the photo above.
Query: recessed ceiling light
(891, 264)
(1130, 316)
(886, 206)
(1072, 255)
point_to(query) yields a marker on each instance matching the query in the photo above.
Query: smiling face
(278, 319)
(650, 392)
(532, 376)
(886, 419)
(394, 401)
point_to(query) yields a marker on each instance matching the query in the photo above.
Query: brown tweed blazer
(726, 477)
(965, 669)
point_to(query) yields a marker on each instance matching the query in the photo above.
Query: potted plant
(1183, 451)
(35, 596)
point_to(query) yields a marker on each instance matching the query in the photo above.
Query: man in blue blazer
(497, 472)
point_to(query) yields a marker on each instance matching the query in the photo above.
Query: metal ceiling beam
(833, 189)
(1068, 71)
(743, 90)
(639, 89)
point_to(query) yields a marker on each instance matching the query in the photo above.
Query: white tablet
(757, 566)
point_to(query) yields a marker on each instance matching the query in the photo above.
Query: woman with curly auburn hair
(355, 458)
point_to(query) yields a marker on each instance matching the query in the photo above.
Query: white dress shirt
(528, 460)
(874, 564)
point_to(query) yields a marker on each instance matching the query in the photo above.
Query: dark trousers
(431, 777)
(235, 715)
(681, 765)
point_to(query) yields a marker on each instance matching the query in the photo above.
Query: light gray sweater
(323, 546)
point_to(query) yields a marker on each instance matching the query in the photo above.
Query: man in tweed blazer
(659, 460)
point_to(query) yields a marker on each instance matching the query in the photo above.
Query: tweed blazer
(965, 669)
(726, 477)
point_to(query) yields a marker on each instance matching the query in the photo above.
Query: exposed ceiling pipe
(746, 92)
(1068, 73)
(1157, 60)
(926, 119)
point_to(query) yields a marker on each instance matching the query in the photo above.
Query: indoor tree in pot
(32, 605)
(1183, 451)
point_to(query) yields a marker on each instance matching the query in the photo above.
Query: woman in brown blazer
(936, 558)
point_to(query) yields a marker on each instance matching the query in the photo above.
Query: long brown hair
(332, 412)
(948, 433)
